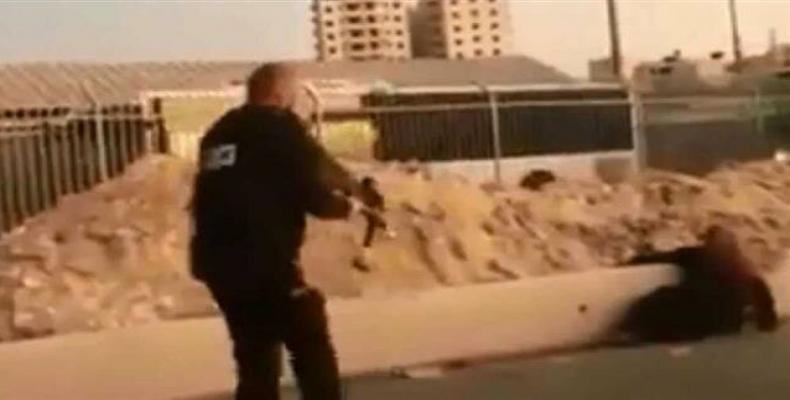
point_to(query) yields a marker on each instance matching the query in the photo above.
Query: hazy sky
(565, 33)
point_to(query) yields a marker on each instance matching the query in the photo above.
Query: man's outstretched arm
(325, 183)
(663, 257)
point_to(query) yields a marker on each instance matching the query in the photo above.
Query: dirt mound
(117, 256)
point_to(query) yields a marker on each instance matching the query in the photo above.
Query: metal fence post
(98, 120)
(32, 172)
(317, 111)
(6, 178)
(638, 131)
(119, 131)
(19, 178)
(495, 132)
(758, 111)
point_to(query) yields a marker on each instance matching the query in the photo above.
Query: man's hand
(357, 207)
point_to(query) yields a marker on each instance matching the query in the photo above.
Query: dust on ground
(117, 256)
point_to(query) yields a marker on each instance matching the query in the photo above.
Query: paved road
(752, 366)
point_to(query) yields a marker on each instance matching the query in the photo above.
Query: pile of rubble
(117, 256)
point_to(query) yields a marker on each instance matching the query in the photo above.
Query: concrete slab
(191, 358)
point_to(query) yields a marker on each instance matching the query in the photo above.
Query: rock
(85, 257)
(33, 313)
(6, 314)
(38, 248)
(184, 299)
(31, 276)
(70, 316)
(536, 179)
(123, 248)
(506, 273)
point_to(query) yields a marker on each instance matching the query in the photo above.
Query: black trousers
(259, 327)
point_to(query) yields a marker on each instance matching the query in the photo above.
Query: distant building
(360, 30)
(682, 76)
(777, 57)
(461, 29)
(601, 70)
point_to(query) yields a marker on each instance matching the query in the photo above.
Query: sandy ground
(117, 257)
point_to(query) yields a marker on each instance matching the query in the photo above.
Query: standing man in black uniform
(260, 175)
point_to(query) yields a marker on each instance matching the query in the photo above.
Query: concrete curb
(179, 360)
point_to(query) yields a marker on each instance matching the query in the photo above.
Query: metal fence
(505, 135)
(47, 154)
(51, 153)
(697, 134)
(485, 138)
(184, 116)
(483, 131)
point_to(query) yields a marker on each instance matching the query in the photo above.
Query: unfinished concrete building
(360, 30)
(461, 29)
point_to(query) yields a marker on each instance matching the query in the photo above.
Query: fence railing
(45, 155)
(186, 115)
(479, 131)
(696, 134)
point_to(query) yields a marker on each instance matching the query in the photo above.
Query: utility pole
(736, 37)
(614, 39)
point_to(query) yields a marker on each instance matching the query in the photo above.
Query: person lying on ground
(719, 291)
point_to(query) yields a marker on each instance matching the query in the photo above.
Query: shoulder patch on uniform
(218, 157)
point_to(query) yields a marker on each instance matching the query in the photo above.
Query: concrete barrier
(180, 360)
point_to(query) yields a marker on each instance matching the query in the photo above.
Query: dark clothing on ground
(712, 297)
(260, 175)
